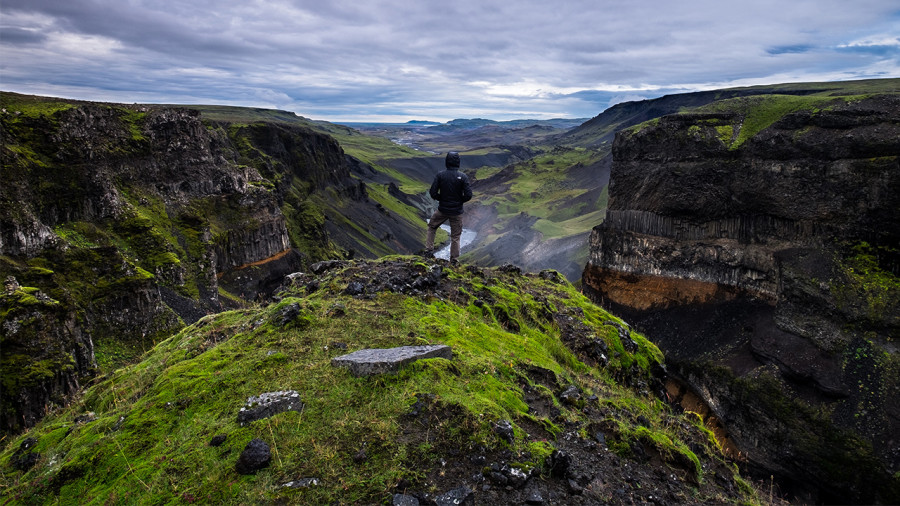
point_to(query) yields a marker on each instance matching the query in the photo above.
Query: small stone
(269, 404)
(28, 442)
(575, 488)
(504, 429)
(498, 478)
(517, 477)
(217, 440)
(24, 462)
(456, 497)
(511, 268)
(571, 395)
(354, 288)
(256, 456)
(288, 313)
(327, 265)
(534, 497)
(404, 500)
(23, 459)
(11, 284)
(302, 483)
(551, 275)
(559, 463)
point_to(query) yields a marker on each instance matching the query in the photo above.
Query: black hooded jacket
(451, 188)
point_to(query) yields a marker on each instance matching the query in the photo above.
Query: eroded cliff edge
(121, 223)
(756, 241)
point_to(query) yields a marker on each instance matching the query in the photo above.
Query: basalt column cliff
(756, 241)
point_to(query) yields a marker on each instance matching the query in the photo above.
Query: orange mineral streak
(689, 401)
(643, 292)
(258, 262)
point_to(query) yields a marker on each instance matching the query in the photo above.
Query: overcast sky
(392, 60)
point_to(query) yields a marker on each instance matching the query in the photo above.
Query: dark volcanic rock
(404, 500)
(256, 456)
(23, 458)
(559, 463)
(741, 254)
(456, 497)
(504, 429)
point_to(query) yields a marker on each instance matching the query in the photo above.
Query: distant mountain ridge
(471, 124)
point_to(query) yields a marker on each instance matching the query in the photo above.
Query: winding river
(465, 239)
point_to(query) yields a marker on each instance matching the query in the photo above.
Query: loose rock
(404, 500)
(456, 497)
(256, 456)
(269, 404)
(504, 429)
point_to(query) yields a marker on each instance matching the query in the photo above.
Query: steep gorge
(119, 224)
(756, 241)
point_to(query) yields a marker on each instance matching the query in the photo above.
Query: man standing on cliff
(451, 188)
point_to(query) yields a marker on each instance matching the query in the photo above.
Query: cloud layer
(393, 60)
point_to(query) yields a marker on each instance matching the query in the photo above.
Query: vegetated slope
(546, 396)
(538, 213)
(118, 224)
(756, 241)
(602, 128)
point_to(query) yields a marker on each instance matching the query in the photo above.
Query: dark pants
(438, 219)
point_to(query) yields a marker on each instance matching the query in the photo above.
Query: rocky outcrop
(45, 353)
(128, 217)
(755, 241)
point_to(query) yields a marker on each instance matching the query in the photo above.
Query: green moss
(760, 112)
(673, 451)
(134, 121)
(877, 287)
(726, 133)
(31, 106)
(154, 418)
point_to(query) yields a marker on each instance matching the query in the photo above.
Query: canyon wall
(757, 240)
(120, 224)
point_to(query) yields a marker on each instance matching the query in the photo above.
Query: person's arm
(467, 189)
(435, 190)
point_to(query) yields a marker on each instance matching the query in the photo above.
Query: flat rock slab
(269, 404)
(388, 360)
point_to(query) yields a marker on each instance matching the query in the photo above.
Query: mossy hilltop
(579, 390)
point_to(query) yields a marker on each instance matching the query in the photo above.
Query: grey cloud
(351, 57)
(16, 35)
